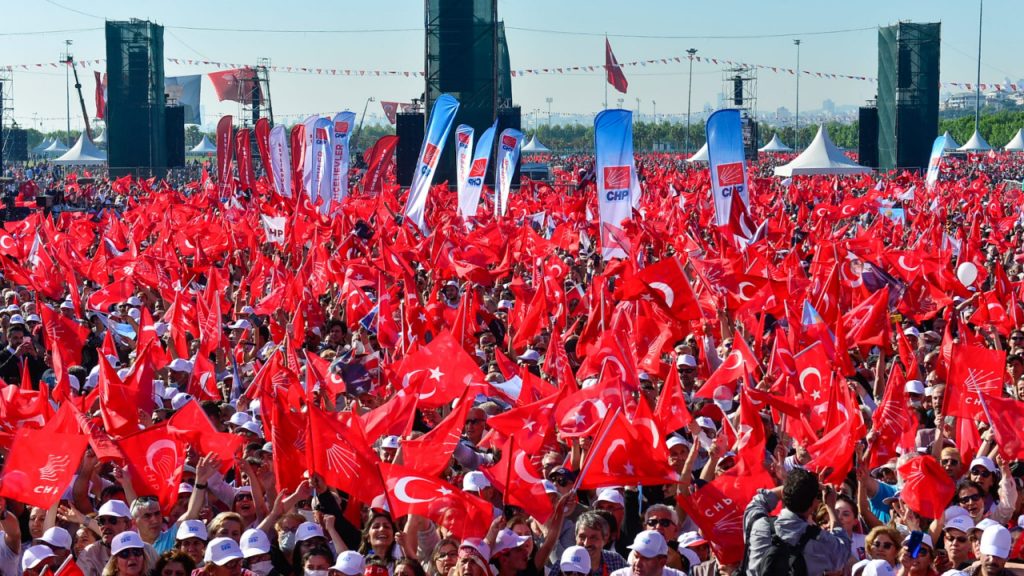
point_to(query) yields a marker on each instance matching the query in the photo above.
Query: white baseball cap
(239, 418)
(115, 508)
(180, 365)
(57, 537)
(242, 324)
(878, 568)
(530, 355)
(507, 540)
(612, 496)
(475, 481)
(996, 541)
(649, 544)
(961, 523)
(687, 539)
(686, 360)
(308, 530)
(914, 387)
(350, 563)
(255, 542)
(34, 555)
(252, 427)
(179, 400)
(705, 422)
(985, 462)
(479, 545)
(389, 442)
(676, 440)
(575, 559)
(125, 541)
(222, 550)
(133, 301)
(192, 529)
(984, 523)
(926, 540)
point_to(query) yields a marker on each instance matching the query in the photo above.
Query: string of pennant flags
(1000, 87)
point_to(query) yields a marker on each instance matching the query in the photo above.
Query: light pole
(359, 132)
(620, 101)
(654, 111)
(796, 135)
(977, 85)
(689, 95)
(67, 82)
(549, 100)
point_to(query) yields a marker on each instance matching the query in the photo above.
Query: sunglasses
(980, 472)
(958, 539)
(883, 545)
(105, 520)
(663, 522)
(129, 552)
(949, 462)
(969, 499)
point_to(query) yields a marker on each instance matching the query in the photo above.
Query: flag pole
(594, 447)
(606, 71)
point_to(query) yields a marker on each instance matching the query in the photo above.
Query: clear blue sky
(42, 92)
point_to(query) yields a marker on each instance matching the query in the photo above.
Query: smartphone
(914, 544)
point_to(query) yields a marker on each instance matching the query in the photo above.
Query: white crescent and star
(402, 494)
(666, 292)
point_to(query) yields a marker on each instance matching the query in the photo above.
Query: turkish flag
(342, 456)
(390, 110)
(69, 568)
(665, 283)
(464, 515)
(894, 421)
(671, 412)
(718, 506)
(625, 453)
(41, 465)
(190, 424)
(237, 84)
(614, 71)
(155, 459)
(111, 294)
(580, 413)
(973, 370)
(518, 479)
(867, 324)
(429, 454)
(393, 418)
(530, 423)
(443, 371)
(722, 383)
(927, 488)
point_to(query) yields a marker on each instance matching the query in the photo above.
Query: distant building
(828, 107)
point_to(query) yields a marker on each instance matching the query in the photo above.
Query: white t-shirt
(10, 563)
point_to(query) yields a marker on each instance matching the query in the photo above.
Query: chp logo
(463, 138)
(616, 182)
(341, 127)
(730, 178)
(429, 158)
(508, 143)
(477, 171)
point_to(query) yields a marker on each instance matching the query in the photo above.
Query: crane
(81, 100)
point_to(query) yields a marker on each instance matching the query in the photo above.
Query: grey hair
(593, 521)
(671, 511)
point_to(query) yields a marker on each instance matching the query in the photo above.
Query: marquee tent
(204, 147)
(42, 146)
(775, 145)
(951, 143)
(977, 143)
(821, 157)
(83, 153)
(701, 155)
(535, 146)
(1016, 144)
(55, 147)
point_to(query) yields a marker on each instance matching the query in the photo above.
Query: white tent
(951, 143)
(701, 155)
(977, 143)
(535, 146)
(42, 146)
(204, 147)
(55, 147)
(1016, 144)
(83, 153)
(775, 145)
(821, 157)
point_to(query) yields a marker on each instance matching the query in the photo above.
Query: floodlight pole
(689, 96)
(796, 135)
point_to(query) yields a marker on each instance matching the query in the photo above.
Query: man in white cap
(191, 539)
(574, 561)
(593, 533)
(113, 519)
(995, 549)
(388, 448)
(224, 552)
(478, 484)
(38, 559)
(613, 502)
(58, 540)
(649, 556)
(509, 555)
(686, 364)
(955, 539)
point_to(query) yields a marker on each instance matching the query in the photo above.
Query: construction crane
(81, 100)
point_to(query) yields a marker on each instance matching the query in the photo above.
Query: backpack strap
(809, 534)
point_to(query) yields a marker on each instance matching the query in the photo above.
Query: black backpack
(783, 558)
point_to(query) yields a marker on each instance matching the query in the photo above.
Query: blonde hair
(218, 522)
(148, 563)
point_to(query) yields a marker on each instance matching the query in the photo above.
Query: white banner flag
(281, 161)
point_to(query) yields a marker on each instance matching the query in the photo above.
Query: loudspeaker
(174, 116)
(867, 137)
(908, 94)
(737, 91)
(409, 126)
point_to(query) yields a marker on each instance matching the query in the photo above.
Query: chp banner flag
(938, 147)
(41, 465)
(308, 135)
(728, 172)
(262, 133)
(508, 156)
(320, 174)
(185, 90)
(613, 69)
(225, 151)
(280, 161)
(476, 173)
(463, 158)
(273, 226)
(380, 159)
(441, 117)
(340, 154)
(618, 189)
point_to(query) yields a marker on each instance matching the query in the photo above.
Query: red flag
(429, 454)
(671, 412)
(69, 568)
(41, 465)
(893, 420)
(973, 370)
(243, 146)
(341, 455)
(298, 147)
(614, 71)
(288, 436)
(390, 110)
(927, 488)
(225, 151)
(525, 486)
(462, 514)
(155, 458)
(443, 371)
(867, 324)
(392, 418)
(531, 423)
(100, 95)
(627, 454)
(262, 131)
(717, 508)
(1007, 423)
(237, 84)
(190, 424)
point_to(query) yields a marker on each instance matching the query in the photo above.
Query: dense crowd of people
(202, 380)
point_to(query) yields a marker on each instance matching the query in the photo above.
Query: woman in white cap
(223, 558)
(127, 556)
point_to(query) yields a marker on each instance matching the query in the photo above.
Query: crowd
(194, 388)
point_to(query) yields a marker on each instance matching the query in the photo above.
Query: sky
(837, 37)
